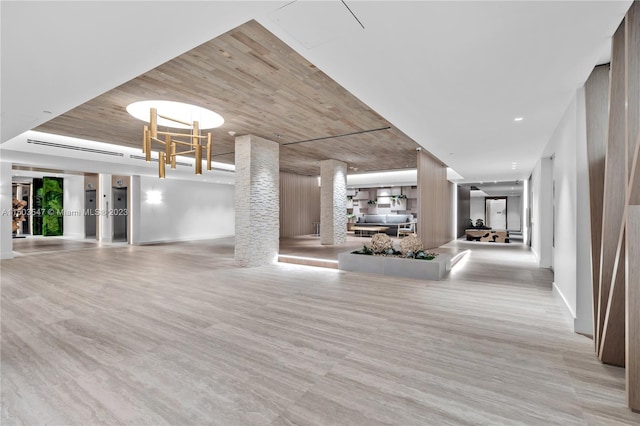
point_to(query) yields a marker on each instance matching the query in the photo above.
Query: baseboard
(182, 240)
(6, 255)
(535, 253)
(556, 291)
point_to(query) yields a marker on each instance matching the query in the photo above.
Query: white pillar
(257, 201)
(104, 205)
(136, 199)
(6, 207)
(333, 202)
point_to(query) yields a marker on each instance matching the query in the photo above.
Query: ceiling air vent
(75, 148)
(155, 160)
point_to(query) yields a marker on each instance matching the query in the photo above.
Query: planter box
(396, 266)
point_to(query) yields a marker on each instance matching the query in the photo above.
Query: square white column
(333, 202)
(6, 207)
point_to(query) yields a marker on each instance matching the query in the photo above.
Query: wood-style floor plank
(177, 334)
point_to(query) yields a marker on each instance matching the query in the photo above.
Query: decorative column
(6, 207)
(257, 201)
(333, 202)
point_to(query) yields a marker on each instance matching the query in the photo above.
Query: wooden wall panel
(611, 337)
(632, 230)
(597, 110)
(434, 202)
(633, 308)
(464, 209)
(299, 204)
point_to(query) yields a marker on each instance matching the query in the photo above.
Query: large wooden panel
(633, 308)
(610, 316)
(299, 204)
(632, 237)
(597, 110)
(261, 87)
(434, 202)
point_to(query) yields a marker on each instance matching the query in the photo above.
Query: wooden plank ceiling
(260, 86)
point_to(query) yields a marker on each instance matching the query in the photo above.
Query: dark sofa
(389, 220)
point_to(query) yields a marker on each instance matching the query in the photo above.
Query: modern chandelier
(176, 142)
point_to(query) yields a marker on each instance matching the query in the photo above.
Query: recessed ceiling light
(206, 119)
(518, 119)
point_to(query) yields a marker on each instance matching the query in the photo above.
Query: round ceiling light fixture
(206, 119)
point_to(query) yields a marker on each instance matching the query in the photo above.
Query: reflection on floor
(39, 245)
(177, 334)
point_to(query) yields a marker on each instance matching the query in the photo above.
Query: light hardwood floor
(176, 334)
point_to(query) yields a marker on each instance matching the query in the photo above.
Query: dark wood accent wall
(434, 202)
(615, 202)
(464, 209)
(630, 231)
(299, 204)
(610, 327)
(597, 107)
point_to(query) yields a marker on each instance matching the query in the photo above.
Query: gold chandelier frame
(170, 152)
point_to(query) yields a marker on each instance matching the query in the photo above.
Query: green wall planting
(52, 189)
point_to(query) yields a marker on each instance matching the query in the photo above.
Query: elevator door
(90, 205)
(120, 214)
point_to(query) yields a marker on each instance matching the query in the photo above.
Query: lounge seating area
(396, 224)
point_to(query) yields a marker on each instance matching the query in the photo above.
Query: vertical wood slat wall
(616, 277)
(610, 327)
(434, 202)
(597, 106)
(632, 213)
(299, 204)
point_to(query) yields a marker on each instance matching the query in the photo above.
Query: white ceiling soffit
(396, 177)
(478, 193)
(313, 23)
(451, 75)
(452, 175)
(40, 149)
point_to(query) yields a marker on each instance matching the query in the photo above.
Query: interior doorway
(496, 212)
(90, 205)
(120, 214)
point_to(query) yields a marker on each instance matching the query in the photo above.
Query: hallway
(176, 334)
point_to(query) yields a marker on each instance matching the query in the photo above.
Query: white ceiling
(451, 75)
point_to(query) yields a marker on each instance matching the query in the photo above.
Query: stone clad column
(333, 202)
(257, 201)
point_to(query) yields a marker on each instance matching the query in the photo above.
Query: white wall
(564, 173)
(584, 291)
(187, 211)
(514, 213)
(542, 212)
(73, 200)
(571, 250)
(476, 209)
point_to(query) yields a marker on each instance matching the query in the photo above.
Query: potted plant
(351, 219)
